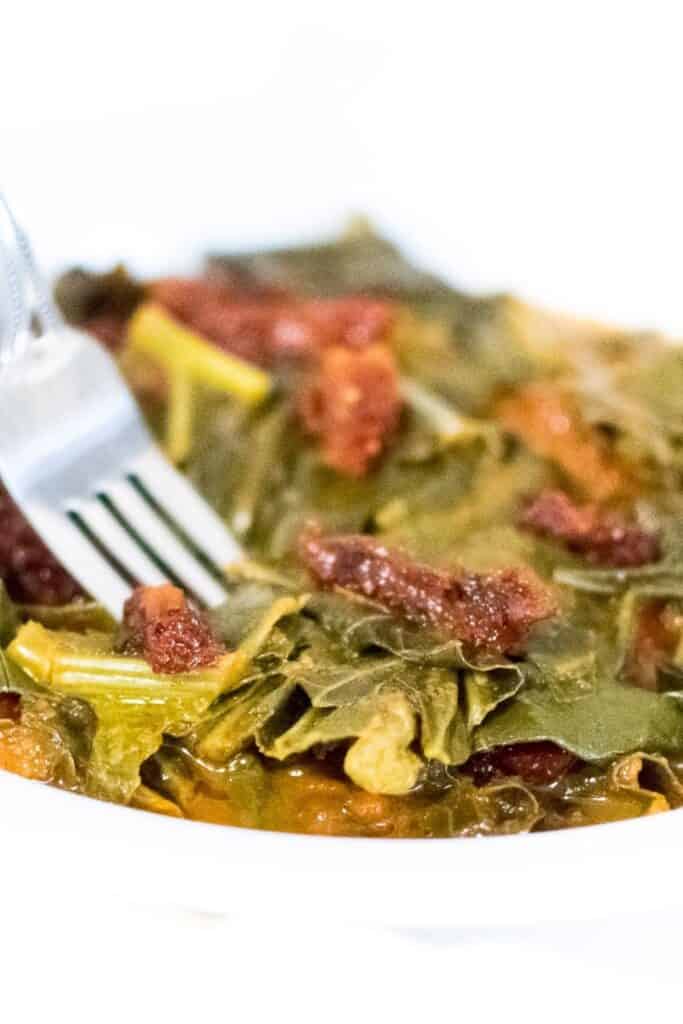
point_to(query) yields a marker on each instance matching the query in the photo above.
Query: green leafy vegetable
(237, 721)
(484, 691)
(134, 707)
(266, 479)
(444, 733)
(326, 686)
(650, 779)
(176, 347)
(78, 616)
(361, 261)
(610, 721)
(62, 726)
(638, 399)
(359, 626)
(380, 759)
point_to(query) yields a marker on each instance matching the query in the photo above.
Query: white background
(530, 145)
(535, 146)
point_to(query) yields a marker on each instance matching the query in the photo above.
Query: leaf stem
(176, 347)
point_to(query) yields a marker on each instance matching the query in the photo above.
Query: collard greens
(329, 712)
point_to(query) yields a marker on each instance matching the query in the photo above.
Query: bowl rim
(570, 874)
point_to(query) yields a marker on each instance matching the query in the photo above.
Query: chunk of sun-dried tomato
(160, 624)
(601, 537)
(352, 402)
(538, 763)
(486, 611)
(268, 327)
(28, 568)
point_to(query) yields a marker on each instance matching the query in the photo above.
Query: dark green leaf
(383, 725)
(444, 734)
(240, 717)
(360, 626)
(484, 691)
(609, 721)
(359, 262)
(247, 603)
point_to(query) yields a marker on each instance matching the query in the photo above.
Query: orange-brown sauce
(311, 797)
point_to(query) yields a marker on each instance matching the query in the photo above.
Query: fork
(79, 461)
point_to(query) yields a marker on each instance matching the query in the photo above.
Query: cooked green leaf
(134, 707)
(564, 658)
(361, 261)
(380, 760)
(604, 723)
(66, 722)
(361, 626)
(238, 719)
(639, 400)
(649, 778)
(484, 691)
(444, 734)
(79, 616)
(263, 474)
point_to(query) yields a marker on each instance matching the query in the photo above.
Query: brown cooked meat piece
(28, 568)
(601, 537)
(486, 611)
(352, 402)
(537, 763)
(266, 329)
(160, 624)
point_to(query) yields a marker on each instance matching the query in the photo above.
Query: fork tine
(180, 500)
(80, 557)
(109, 531)
(67, 423)
(135, 511)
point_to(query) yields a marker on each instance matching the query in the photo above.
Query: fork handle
(30, 306)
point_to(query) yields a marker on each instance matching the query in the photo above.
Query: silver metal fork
(78, 459)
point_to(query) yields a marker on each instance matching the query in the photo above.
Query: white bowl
(84, 846)
(571, 875)
(496, 180)
(143, 857)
